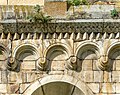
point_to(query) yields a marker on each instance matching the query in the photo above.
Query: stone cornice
(78, 29)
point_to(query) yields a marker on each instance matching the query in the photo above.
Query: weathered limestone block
(28, 65)
(0, 76)
(13, 88)
(108, 88)
(56, 72)
(87, 65)
(4, 77)
(57, 66)
(98, 76)
(24, 77)
(115, 76)
(86, 76)
(69, 72)
(3, 88)
(31, 76)
(3, 64)
(23, 87)
(117, 64)
(15, 77)
(95, 65)
(94, 87)
(118, 88)
(107, 76)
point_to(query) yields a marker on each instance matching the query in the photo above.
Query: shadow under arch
(113, 53)
(75, 85)
(61, 46)
(25, 51)
(4, 50)
(4, 54)
(112, 49)
(88, 51)
(57, 52)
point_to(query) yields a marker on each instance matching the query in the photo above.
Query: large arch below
(59, 81)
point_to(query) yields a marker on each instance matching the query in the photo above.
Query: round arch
(24, 47)
(113, 48)
(88, 46)
(24, 53)
(5, 50)
(4, 54)
(57, 52)
(59, 78)
(58, 46)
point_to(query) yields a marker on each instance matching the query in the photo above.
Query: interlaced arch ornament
(40, 86)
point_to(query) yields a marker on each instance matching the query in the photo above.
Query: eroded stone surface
(56, 49)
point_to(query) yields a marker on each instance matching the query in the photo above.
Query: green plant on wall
(38, 16)
(84, 2)
(73, 3)
(114, 13)
(77, 3)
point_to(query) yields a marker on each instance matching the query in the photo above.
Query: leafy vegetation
(38, 16)
(77, 2)
(114, 13)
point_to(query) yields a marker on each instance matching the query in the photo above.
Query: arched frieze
(57, 56)
(4, 54)
(88, 56)
(26, 57)
(114, 56)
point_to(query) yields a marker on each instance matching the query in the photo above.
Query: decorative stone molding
(86, 30)
(103, 62)
(72, 63)
(11, 63)
(58, 78)
(42, 63)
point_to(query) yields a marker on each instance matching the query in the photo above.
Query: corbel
(42, 63)
(11, 63)
(103, 62)
(72, 63)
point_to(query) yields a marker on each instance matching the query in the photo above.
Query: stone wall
(84, 54)
(22, 2)
(56, 8)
